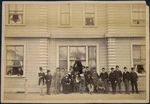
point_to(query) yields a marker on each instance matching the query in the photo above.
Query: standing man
(126, 78)
(112, 79)
(57, 80)
(134, 78)
(118, 77)
(104, 77)
(48, 79)
(41, 83)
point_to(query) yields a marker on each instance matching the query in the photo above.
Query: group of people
(88, 80)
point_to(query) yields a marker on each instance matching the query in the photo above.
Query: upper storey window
(89, 15)
(138, 14)
(15, 14)
(65, 15)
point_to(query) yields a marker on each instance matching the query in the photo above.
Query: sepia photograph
(75, 52)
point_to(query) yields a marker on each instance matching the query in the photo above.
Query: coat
(118, 74)
(41, 78)
(48, 78)
(104, 76)
(126, 75)
(112, 76)
(133, 76)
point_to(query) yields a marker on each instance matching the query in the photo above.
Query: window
(89, 15)
(15, 14)
(139, 58)
(65, 15)
(69, 55)
(15, 60)
(138, 14)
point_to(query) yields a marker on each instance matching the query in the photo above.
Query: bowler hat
(132, 68)
(48, 71)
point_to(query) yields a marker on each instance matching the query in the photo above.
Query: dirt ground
(74, 97)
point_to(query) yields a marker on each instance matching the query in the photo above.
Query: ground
(75, 97)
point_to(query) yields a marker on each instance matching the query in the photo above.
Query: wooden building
(52, 34)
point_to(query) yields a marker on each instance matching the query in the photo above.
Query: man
(41, 83)
(57, 80)
(90, 84)
(48, 79)
(104, 77)
(118, 74)
(134, 78)
(62, 74)
(87, 72)
(126, 78)
(95, 78)
(112, 79)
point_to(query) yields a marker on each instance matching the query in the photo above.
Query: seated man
(100, 86)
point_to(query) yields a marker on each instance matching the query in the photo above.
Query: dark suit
(48, 79)
(112, 79)
(104, 77)
(41, 78)
(126, 78)
(134, 78)
(118, 74)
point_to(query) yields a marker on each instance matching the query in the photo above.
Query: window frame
(131, 14)
(59, 16)
(7, 14)
(84, 17)
(132, 63)
(86, 49)
(24, 62)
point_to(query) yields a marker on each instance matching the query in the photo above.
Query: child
(134, 78)
(90, 84)
(41, 80)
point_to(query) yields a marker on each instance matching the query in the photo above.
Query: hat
(117, 66)
(132, 68)
(103, 68)
(48, 71)
(86, 67)
(112, 68)
(41, 68)
(125, 67)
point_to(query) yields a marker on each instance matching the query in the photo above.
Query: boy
(104, 77)
(112, 79)
(133, 79)
(118, 74)
(41, 80)
(126, 78)
(48, 79)
(100, 86)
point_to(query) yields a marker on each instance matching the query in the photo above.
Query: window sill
(15, 24)
(65, 26)
(14, 76)
(89, 26)
(141, 75)
(137, 25)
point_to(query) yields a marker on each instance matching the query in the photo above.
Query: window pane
(92, 63)
(135, 7)
(135, 15)
(142, 16)
(89, 19)
(92, 52)
(73, 62)
(19, 7)
(63, 64)
(14, 60)
(63, 53)
(89, 8)
(143, 52)
(142, 7)
(136, 52)
(65, 8)
(81, 53)
(12, 7)
(65, 19)
(73, 53)
(16, 18)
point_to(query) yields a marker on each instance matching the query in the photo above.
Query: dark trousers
(134, 84)
(48, 88)
(119, 84)
(113, 85)
(126, 83)
(105, 86)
